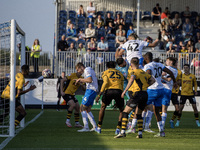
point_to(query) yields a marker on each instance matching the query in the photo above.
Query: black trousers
(35, 64)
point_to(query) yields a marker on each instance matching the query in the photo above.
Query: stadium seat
(81, 41)
(69, 41)
(73, 20)
(111, 14)
(63, 14)
(146, 15)
(136, 15)
(72, 14)
(100, 33)
(194, 15)
(129, 21)
(101, 13)
(81, 20)
(120, 12)
(62, 21)
(110, 37)
(129, 15)
(111, 47)
(81, 26)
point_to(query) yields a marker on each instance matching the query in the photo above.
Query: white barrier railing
(66, 61)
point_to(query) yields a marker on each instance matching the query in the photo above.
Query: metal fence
(66, 61)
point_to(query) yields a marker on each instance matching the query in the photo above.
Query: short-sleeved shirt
(19, 83)
(121, 38)
(103, 45)
(134, 48)
(156, 11)
(123, 31)
(197, 46)
(90, 9)
(89, 72)
(187, 83)
(156, 71)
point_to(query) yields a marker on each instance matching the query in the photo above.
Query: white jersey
(134, 48)
(156, 71)
(89, 72)
(169, 85)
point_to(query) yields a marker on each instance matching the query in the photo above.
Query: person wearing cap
(102, 46)
(156, 13)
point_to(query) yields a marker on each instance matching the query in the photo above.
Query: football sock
(85, 119)
(164, 117)
(76, 116)
(119, 124)
(69, 115)
(132, 115)
(124, 122)
(174, 115)
(160, 126)
(144, 117)
(99, 124)
(179, 117)
(91, 118)
(148, 119)
(134, 121)
(140, 124)
(17, 122)
(58, 104)
(196, 117)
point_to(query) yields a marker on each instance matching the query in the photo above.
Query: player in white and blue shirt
(91, 91)
(168, 86)
(156, 91)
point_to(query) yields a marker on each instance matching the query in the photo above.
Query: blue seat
(101, 33)
(101, 13)
(81, 26)
(110, 37)
(81, 20)
(111, 14)
(146, 15)
(73, 20)
(72, 14)
(69, 41)
(119, 12)
(63, 14)
(194, 14)
(129, 15)
(81, 41)
(136, 15)
(129, 21)
(111, 47)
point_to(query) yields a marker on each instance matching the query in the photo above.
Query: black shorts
(6, 102)
(190, 98)
(174, 99)
(68, 97)
(138, 99)
(111, 94)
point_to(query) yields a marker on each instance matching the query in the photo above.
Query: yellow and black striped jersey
(19, 83)
(71, 87)
(179, 76)
(187, 84)
(112, 79)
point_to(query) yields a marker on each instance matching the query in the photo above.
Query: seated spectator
(92, 45)
(179, 46)
(187, 13)
(166, 38)
(156, 14)
(197, 24)
(120, 29)
(69, 22)
(131, 30)
(190, 46)
(163, 26)
(184, 50)
(184, 55)
(111, 28)
(171, 48)
(81, 50)
(72, 48)
(81, 35)
(119, 21)
(196, 37)
(89, 59)
(120, 39)
(108, 19)
(187, 28)
(102, 46)
(176, 22)
(62, 44)
(99, 21)
(168, 22)
(91, 11)
(80, 11)
(71, 32)
(89, 32)
(164, 14)
(197, 46)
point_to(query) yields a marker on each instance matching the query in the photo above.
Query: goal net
(10, 36)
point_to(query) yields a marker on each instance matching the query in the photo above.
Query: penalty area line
(7, 140)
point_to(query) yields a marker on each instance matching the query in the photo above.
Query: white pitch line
(7, 140)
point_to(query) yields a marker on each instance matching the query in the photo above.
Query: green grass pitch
(50, 132)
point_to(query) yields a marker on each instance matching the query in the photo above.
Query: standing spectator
(187, 13)
(164, 14)
(156, 13)
(35, 54)
(92, 45)
(109, 19)
(89, 32)
(71, 32)
(69, 22)
(120, 29)
(100, 62)
(177, 22)
(91, 11)
(81, 35)
(197, 46)
(102, 46)
(62, 44)
(80, 11)
(99, 21)
(120, 39)
(187, 28)
(119, 21)
(131, 30)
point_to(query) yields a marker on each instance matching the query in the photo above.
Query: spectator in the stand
(177, 22)
(156, 13)
(89, 32)
(197, 24)
(92, 45)
(69, 22)
(120, 39)
(187, 28)
(179, 46)
(108, 19)
(171, 48)
(81, 50)
(131, 30)
(71, 32)
(190, 46)
(89, 59)
(166, 38)
(91, 11)
(196, 37)
(99, 62)
(121, 29)
(164, 14)
(168, 22)
(111, 28)
(72, 48)
(81, 35)
(99, 21)
(187, 12)
(62, 44)
(102, 46)
(80, 11)
(119, 21)
(196, 64)
(197, 46)
(163, 26)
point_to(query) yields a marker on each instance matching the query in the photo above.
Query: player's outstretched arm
(119, 53)
(154, 44)
(21, 92)
(130, 82)
(151, 81)
(87, 80)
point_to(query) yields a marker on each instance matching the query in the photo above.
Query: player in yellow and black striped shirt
(188, 82)
(139, 98)
(112, 87)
